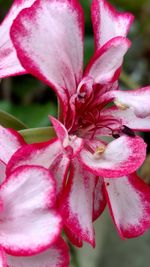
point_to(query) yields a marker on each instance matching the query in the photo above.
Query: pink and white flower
(30, 224)
(55, 55)
(9, 63)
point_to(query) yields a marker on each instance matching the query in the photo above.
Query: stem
(36, 135)
(9, 121)
(74, 257)
(128, 81)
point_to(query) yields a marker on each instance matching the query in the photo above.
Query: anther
(126, 130)
(115, 134)
(99, 151)
(121, 105)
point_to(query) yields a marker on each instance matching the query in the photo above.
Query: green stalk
(74, 256)
(37, 135)
(9, 121)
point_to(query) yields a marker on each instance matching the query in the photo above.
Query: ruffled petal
(129, 203)
(48, 38)
(137, 100)
(108, 22)
(77, 203)
(56, 256)
(120, 157)
(29, 222)
(127, 117)
(47, 154)
(10, 141)
(106, 63)
(9, 63)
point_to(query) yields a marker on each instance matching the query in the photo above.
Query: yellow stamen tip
(121, 105)
(99, 151)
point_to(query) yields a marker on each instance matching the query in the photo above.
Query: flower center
(91, 118)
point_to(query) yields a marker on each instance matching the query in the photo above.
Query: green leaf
(9, 121)
(37, 135)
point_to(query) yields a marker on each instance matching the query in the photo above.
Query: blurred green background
(32, 101)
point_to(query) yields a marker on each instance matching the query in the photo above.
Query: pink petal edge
(129, 203)
(108, 22)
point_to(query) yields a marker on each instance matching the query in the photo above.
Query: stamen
(121, 105)
(99, 151)
(126, 130)
(115, 134)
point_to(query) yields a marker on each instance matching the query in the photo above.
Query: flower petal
(59, 169)
(129, 203)
(105, 65)
(60, 130)
(77, 203)
(2, 171)
(47, 154)
(120, 157)
(2, 258)
(53, 53)
(108, 22)
(138, 100)
(99, 198)
(74, 239)
(29, 223)
(71, 144)
(56, 256)
(10, 141)
(127, 117)
(9, 63)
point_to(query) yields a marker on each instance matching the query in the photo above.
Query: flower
(9, 63)
(30, 224)
(48, 38)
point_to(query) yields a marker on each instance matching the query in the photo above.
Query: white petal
(28, 222)
(129, 202)
(105, 65)
(108, 22)
(127, 117)
(137, 100)
(56, 256)
(52, 46)
(77, 203)
(9, 63)
(47, 154)
(120, 157)
(10, 141)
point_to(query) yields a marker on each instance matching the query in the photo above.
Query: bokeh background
(32, 101)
